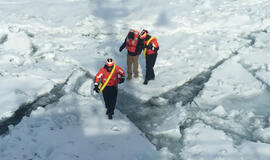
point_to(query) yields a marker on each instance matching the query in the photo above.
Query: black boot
(145, 82)
(110, 116)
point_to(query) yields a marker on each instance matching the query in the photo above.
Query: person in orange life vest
(110, 91)
(151, 55)
(134, 47)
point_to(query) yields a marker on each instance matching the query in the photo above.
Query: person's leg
(113, 99)
(148, 67)
(135, 66)
(109, 96)
(129, 65)
(106, 97)
(147, 72)
(152, 63)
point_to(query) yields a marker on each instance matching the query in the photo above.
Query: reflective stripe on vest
(147, 43)
(106, 82)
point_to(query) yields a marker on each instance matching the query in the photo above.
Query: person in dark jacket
(151, 47)
(134, 45)
(111, 88)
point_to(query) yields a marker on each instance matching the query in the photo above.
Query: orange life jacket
(103, 74)
(153, 43)
(132, 43)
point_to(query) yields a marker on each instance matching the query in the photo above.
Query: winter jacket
(133, 46)
(152, 47)
(103, 74)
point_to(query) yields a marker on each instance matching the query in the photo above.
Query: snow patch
(219, 111)
(201, 143)
(19, 43)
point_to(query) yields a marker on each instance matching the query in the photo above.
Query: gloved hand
(96, 88)
(156, 49)
(122, 79)
(150, 47)
(120, 49)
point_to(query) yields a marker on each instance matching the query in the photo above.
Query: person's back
(132, 43)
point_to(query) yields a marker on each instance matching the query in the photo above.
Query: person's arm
(153, 45)
(139, 47)
(123, 45)
(121, 72)
(156, 49)
(98, 77)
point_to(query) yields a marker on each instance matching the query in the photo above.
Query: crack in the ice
(252, 39)
(241, 132)
(191, 89)
(34, 49)
(29, 34)
(26, 109)
(233, 129)
(253, 73)
(3, 38)
(42, 101)
(186, 93)
(145, 115)
(149, 114)
(247, 133)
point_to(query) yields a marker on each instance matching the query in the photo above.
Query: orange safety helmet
(109, 62)
(143, 34)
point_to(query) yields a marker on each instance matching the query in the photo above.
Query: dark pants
(150, 63)
(110, 97)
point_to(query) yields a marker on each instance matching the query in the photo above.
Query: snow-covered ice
(213, 54)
